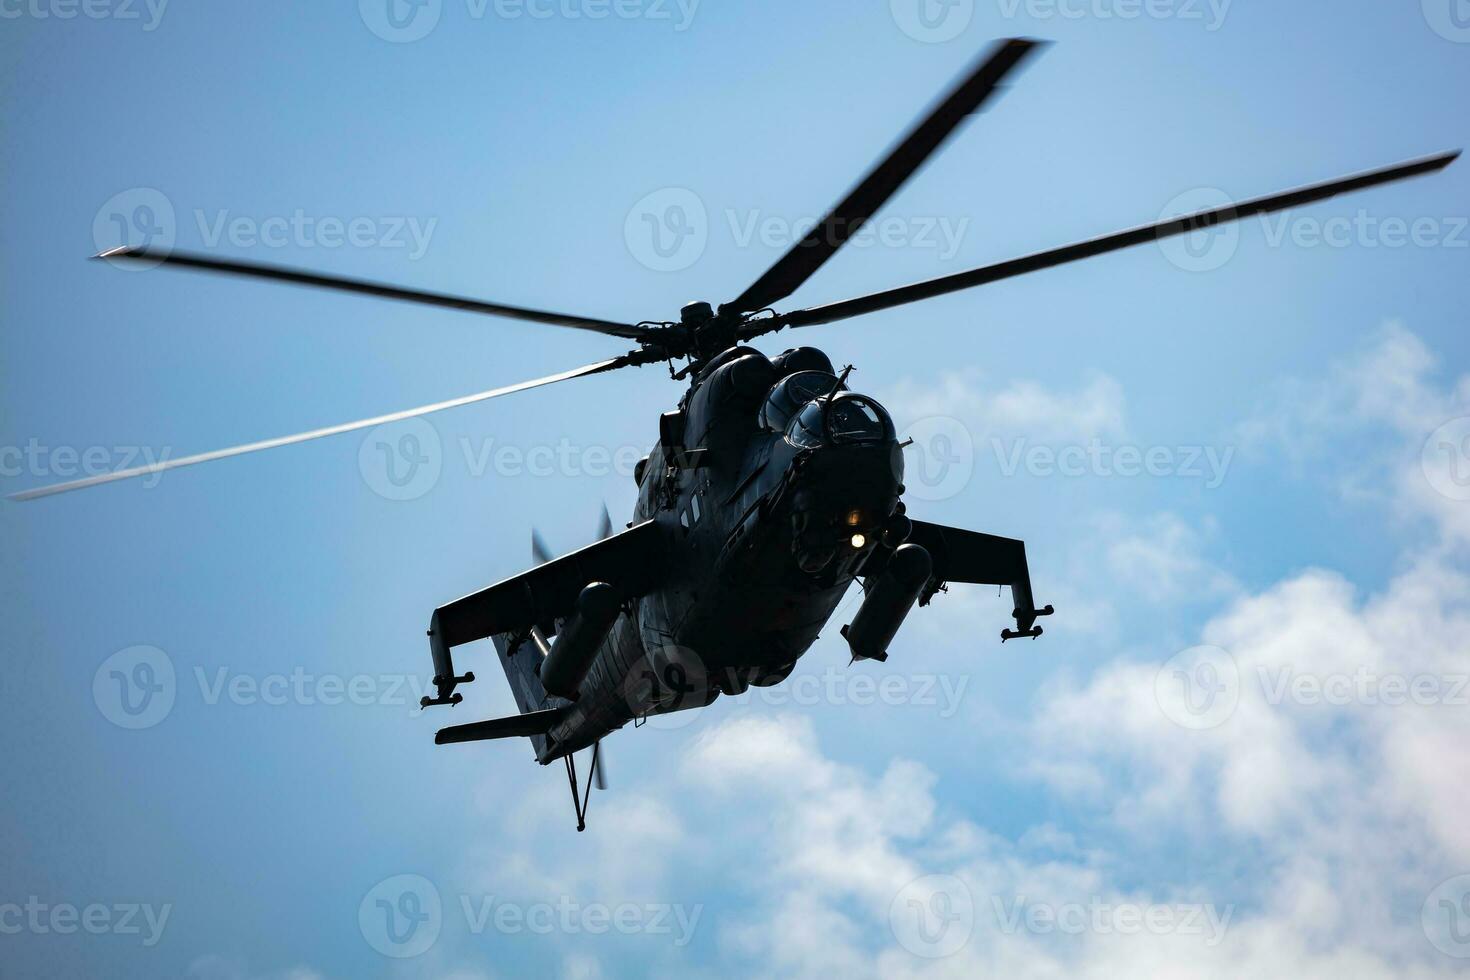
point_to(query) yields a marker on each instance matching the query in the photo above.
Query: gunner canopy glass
(844, 420)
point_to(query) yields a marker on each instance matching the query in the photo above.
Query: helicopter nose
(845, 497)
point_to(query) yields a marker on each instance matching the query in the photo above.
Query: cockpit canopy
(792, 392)
(842, 419)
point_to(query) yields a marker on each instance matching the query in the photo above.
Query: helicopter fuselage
(767, 526)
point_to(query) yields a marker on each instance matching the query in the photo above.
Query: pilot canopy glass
(792, 392)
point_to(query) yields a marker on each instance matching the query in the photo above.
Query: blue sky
(1319, 362)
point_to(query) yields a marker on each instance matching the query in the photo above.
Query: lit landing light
(859, 540)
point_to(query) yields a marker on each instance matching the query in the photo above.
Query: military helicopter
(771, 489)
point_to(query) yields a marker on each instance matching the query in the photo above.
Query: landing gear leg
(580, 800)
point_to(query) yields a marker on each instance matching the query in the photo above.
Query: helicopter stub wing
(633, 562)
(982, 559)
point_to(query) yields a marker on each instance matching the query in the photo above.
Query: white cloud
(638, 835)
(579, 966)
(1018, 409)
(1368, 425)
(834, 848)
(1160, 558)
(1361, 798)
(214, 967)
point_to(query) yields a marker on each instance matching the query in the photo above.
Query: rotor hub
(696, 313)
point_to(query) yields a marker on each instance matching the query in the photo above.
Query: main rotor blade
(1108, 243)
(173, 464)
(848, 217)
(260, 270)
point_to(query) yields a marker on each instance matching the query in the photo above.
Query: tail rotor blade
(604, 526)
(599, 767)
(540, 553)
